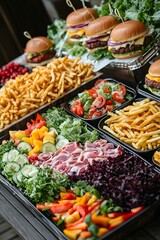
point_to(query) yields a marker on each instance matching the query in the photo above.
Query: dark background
(17, 16)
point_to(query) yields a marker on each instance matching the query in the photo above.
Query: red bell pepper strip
(59, 208)
(82, 209)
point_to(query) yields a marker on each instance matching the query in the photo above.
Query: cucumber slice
(5, 157)
(29, 170)
(11, 168)
(48, 147)
(19, 177)
(14, 177)
(21, 159)
(23, 146)
(61, 141)
(12, 154)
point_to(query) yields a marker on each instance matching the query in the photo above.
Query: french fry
(137, 124)
(43, 85)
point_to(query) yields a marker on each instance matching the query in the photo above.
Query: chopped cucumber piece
(29, 170)
(23, 146)
(11, 168)
(15, 178)
(5, 157)
(19, 176)
(12, 154)
(61, 141)
(48, 147)
(21, 159)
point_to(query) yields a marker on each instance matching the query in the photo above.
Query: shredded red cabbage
(127, 179)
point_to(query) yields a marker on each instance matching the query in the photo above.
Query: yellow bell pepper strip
(85, 235)
(27, 140)
(102, 231)
(100, 220)
(59, 208)
(67, 195)
(92, 200)
(72, 234)
(36, 149)
(71, 218)
(38, 143)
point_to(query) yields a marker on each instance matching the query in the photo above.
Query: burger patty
(128, 48)
(152, 83)
(131, 48)
(41, 58)
(92, 45)
(76, 36)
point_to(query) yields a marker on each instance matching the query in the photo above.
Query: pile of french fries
(43, 85)
(137, 125)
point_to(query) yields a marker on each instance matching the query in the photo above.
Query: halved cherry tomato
(99, 82)
(77, 108)
(106, 90)
(99, 102)
(91, 112)
(109, 107)
(122, 89)
(118, 97)
(109, 102)
(93, 93)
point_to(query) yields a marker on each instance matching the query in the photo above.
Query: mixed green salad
(104, 96)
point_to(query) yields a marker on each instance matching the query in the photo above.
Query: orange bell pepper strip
(84, 199)
(59, 208)
(72, 234)
(117, 221)
(137, 209)
(95, 206)
(44, 206)
(81, 226)
(85, 234)
(75, 223)
(114, 214)
(100, 220)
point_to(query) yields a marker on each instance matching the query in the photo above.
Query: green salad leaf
(75, 49)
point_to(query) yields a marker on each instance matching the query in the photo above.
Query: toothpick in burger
(77, 21)
(152, 79)
(98, 33)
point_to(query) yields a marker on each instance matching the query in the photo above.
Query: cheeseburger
(128, 39)
(98, 32)
(39, 51)
(152, 79)
(77, 21)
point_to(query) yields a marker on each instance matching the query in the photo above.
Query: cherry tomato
(93, 93)
(106, 90)
(77, 108)
(109, 102)
(118, 97)
(109, 107)
(91, 111)
(122, 89)
(99, 102)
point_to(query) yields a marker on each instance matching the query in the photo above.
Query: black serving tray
(89, 85)
(60, 100)
(116, 234)
(145, 92)
(100, 127)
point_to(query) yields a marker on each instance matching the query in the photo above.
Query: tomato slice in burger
(118, 97)
(99, 102)
(77, 108)
(122, 89)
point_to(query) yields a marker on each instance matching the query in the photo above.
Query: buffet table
(29, 228)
